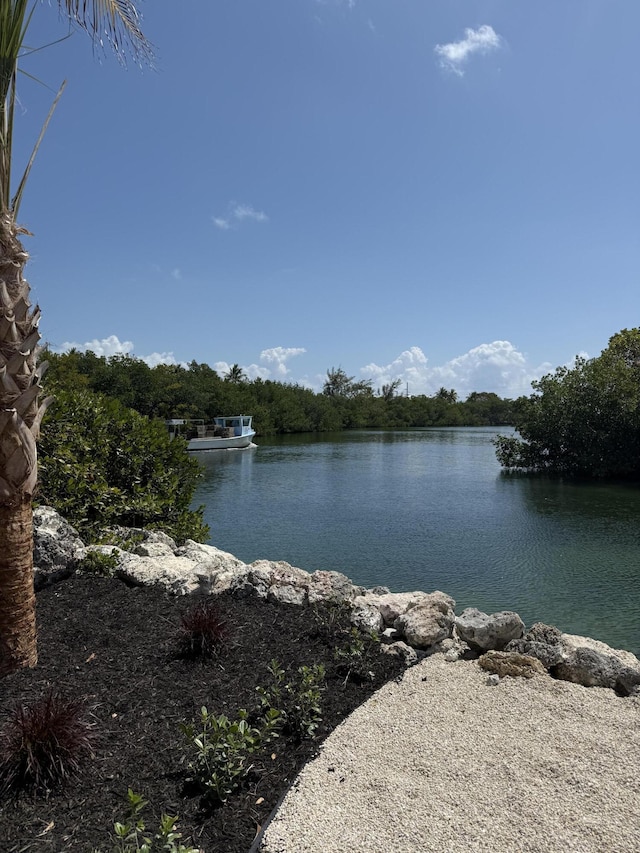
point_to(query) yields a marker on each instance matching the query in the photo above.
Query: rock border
(411, 625)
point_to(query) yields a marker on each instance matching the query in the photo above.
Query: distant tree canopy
(102, 465)
(197, 391)
(583, 420)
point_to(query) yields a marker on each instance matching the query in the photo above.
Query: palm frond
(117, 21)
(14, 21)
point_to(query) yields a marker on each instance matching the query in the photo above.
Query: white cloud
(453, 56)
(278, 356)
(114, 346)
(238, 213)
(176, 273)
(157, 358)
(246, 211)
(497, 367)
(107, 346)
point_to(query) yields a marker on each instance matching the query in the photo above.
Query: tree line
(198, 391)
(582, 420)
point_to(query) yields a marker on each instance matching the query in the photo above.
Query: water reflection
(427, 509)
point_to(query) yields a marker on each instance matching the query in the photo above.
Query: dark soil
(115, 647)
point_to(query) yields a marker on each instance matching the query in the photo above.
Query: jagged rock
(401, 650)
(541, 641)
(378, 590)
(366, 616)
(512, 664)
(57, 548)
(175, 574)
(330, 586)
(428, 622)
(493, 680)
(392, 605)
(483, 632)
(154, 549)
(595, 664)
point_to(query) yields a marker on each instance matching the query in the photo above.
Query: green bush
(298, 704)
(133, 836)
(98, 563)
(222, 748)
(583, 420)
(103, 465)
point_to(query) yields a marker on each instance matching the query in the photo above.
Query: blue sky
(441, 191)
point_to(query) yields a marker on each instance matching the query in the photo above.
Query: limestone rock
(330, 586)
(595, 664)
(512, 664)
(483, 632)
(401, 650)
(541, 641)
(428, 622)
(176, 574)
(57, 548)
(366, 616)
(392, 605)
(154, 549)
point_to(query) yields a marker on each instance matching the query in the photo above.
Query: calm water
(430, 509)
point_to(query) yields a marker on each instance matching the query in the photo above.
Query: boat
(227, 433)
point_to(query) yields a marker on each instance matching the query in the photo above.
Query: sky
(445, 192)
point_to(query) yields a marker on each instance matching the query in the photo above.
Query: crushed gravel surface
(442, 761)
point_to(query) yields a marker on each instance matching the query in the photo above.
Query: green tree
(583, 420)
(338, 384)
(103, 465)
(235, 374)
(20, 408)
(388, 392)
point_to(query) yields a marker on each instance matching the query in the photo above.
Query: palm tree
(21, 411)
(235, 374)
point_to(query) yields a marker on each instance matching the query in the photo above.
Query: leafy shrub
(99, 563)
(132, 837)
(202, 630)
(43, 745)
(222, 748)
(298, 705)
(354, 658)
(355, 649)
(583, 420)
(102, 465)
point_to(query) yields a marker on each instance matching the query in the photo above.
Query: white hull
(236, 442)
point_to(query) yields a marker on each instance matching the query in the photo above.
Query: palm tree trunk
(20, 416)
(17, 597)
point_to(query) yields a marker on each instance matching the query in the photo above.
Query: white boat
(229, 433)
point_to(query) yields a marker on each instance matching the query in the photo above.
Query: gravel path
(444, 762)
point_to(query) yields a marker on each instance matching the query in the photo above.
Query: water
(430, 509)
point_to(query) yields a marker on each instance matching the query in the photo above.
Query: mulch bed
(115, 647)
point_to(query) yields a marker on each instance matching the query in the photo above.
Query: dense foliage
(198, 392)
(103, 465)
(583, 420)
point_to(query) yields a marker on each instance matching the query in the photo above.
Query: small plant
(99, 563)
(223, 748)
(43, 745)
(202, 631)
(132, 837)
(122, 537)
(353, 659)
(331, 618)
(298, 704)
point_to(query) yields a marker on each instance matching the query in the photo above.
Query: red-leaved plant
(44, 744)
(203, 630)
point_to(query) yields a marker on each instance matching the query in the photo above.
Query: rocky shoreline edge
(412, 625)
